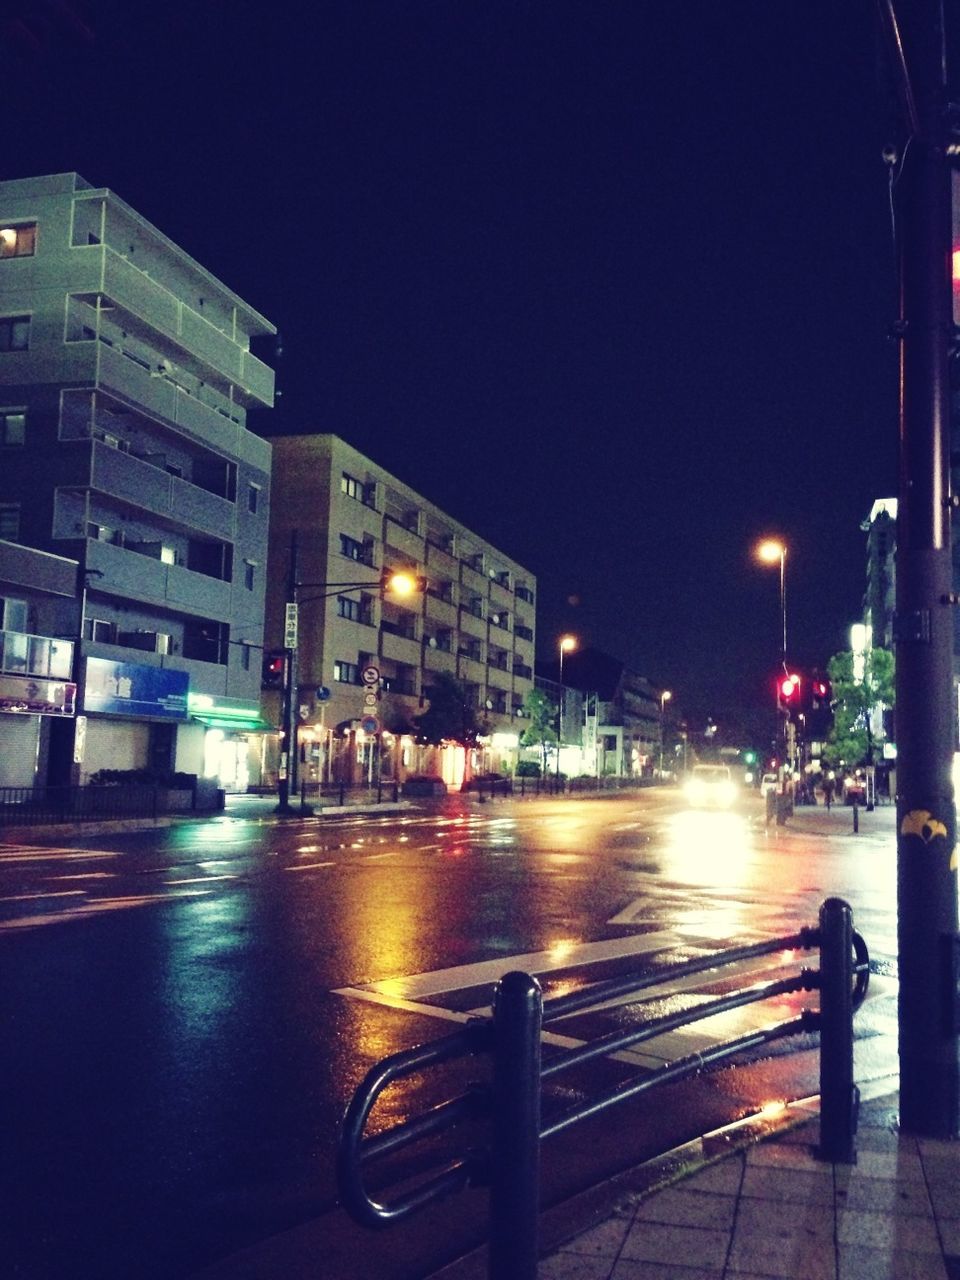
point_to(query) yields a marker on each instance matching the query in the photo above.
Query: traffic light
(274, 669)
(788, 690)
(819, 693)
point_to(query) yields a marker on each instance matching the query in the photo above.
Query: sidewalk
(774, 1210)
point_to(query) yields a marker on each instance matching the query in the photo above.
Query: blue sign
(323, 693)
(129, 689)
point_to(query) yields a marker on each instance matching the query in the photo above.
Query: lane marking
(309, 866)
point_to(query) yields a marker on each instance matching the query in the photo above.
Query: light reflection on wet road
(174, 1049)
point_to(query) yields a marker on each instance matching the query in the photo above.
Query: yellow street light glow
(568, 644)
(771, 551)
(402, 584)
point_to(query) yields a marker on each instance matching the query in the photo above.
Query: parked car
(494, 783)
(423, 786)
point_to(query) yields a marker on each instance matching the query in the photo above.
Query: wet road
(185, 1013)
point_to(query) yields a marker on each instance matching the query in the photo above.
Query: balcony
(147, 486)
(22, 654)
(400, 648)
(140, 577)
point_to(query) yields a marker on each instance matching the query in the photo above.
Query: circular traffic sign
(370, 675)
(370, 724)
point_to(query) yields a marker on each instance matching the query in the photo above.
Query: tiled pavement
(775, 1211)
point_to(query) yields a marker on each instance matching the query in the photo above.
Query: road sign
(290, 619)
(370, 724)
(323, 693)
(370, 675)
(371, 697)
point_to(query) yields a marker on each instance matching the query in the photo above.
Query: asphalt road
(185, 1013)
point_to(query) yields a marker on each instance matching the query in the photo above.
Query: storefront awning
(243, 724)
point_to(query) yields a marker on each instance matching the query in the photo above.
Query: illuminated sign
(129, 689)
(28, 696)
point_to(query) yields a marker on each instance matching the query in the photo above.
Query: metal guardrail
(383, 791)
(511, 1103)
(29, 806)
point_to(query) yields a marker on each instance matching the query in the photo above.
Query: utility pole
(287, 774)
(925, 713)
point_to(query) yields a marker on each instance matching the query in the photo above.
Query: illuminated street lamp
(665, 697)
(772, 551)
(566, 644)
(398, 583)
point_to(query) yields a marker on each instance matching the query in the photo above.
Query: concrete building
(39, 608)
(621, 714)
(475, 620)
(125, 379)
(879, 599)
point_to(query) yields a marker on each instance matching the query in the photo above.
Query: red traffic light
(789, 688)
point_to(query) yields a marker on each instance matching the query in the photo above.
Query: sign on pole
(290, 626)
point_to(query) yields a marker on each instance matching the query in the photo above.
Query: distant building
(39, 608)
(879, 600)
(125, 379)
(621, 713)
(367, 660)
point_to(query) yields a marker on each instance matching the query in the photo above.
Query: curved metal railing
(511, 1105)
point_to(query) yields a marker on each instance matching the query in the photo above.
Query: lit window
(13, 427)
(18, 242)
(351, 487)
(14, 333)
(346, 673)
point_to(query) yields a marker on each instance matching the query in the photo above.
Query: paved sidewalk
(774, 1210)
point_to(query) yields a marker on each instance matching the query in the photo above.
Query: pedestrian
(829, 783)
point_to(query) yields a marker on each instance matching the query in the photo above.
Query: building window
(18, 242)
(245, 656)
(248, 573)
(362, 552)
(525, 633)
(10, 521)
(355, 610)
(523, 593)
(14, 333)
(253, 498)
(13, 427)
(346, 673)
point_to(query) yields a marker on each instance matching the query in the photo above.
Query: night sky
(609, 282)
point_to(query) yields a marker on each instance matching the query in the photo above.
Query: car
(423, 785)
(854, 790)
(710, 786)
(496, 784)
(768, 783)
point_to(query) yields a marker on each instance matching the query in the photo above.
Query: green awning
(244, 724)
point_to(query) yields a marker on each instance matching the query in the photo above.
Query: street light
(665, 697)
(399, 583)
(566, 644)
(773, 551)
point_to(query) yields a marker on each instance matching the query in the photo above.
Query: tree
(856, 695)
(451, 715)
(541, 712)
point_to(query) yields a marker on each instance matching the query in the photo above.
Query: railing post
(839, 1096)
(515, 1147)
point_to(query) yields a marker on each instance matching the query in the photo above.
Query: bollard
(856, 818)
(515, 1144)
(839, 1096)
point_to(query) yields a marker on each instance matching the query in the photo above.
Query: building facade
(39, 608)
(125, 379)
(367, 659)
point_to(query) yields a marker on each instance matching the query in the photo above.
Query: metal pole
(925, 713)
(515, 1148)
(839, 1096)
(287, 775)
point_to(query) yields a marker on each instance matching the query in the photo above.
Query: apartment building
(367, 659)
(125, 379)
(38, 614)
